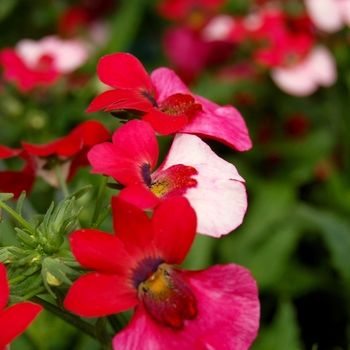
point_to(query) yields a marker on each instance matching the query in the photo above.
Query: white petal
(219, 199)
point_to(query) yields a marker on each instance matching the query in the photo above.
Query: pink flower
(69, 151)
(172, 108)
(329, 15)
(216, 308)
(191, 169)
(304, 78)
(16, 318)
(42, 62)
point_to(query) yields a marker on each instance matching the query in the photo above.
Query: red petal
(163, 123)
(15, 319)
(174, 223)
(98, 294)
(137, 138)
(65, 146)
(15, 182)
(92, 132)
(140, 196)
(133, 227)
(131, 158)
(120, 99)
(4, 288)
(6, 152)
(124, 71)
(97, 250)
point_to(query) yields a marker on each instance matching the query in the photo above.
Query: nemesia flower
(69, 151)
(42, 62)
(172, 108)
(16, 318)
(329, 15)
(191, 169)
(12, 181)
(317, 69)
(280, 41)
(216, 308)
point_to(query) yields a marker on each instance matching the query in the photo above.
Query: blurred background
(285, 65)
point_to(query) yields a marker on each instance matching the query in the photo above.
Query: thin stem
(116, 322)
(61, 180)
(17, 217)
(34, 293)
(102, 217)
(77, 322)
(99, 200)
(17, 279)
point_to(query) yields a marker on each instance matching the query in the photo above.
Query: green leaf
(336, 234)
(283, 333)
(5, 196)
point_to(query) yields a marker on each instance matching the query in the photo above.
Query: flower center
(178, 104)
(174, 180)
(167, 298)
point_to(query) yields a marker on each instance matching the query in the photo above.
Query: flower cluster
(285, 43)
(156, 215)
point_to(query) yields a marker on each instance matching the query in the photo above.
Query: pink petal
(164, 124)
(15, 319)
(120, 99)
(325, 14)
(318, 68)
(140, 196)
(99, 294)
(296, 80)
(97, 250)
(224, 124)
(166, 83)
(219, 199)
(123, 71)
(174, 222)
(4, 288)
(133, 227)
(323, 66)
(228, 315)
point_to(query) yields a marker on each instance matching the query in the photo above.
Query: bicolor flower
(165, 102)
(216, 308)
(213, 186)
(304, 78)
(16, 181)
(15, 319)
(68, 152)
(32, 63)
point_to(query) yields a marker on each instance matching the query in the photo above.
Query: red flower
(32, 63)
(12, 181)
(69, 152)
(165, 102)
(16, 318)
(174, 308)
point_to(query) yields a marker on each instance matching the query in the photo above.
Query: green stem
(102, 217)
(99, 200)
(17, 279)
(61, 180)
(17, 217)
(34, 293)
(77, 322)
(116, 322)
